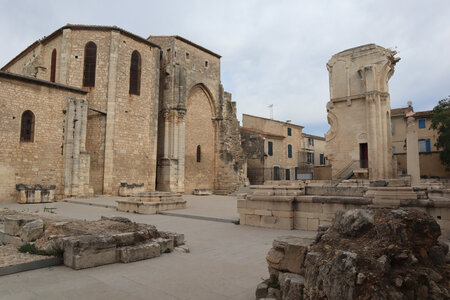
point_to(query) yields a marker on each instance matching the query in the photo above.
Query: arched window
(90, 61)
(27, 127)
(135, 73)
(53, 67)
(199, 153)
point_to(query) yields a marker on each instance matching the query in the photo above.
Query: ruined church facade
(133, 111)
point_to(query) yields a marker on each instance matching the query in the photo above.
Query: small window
(27, 127)
(53, 67)
(90, 61)
(310, 157)
(310, 141)
(206, 63)
(297, 171)
(270, 148)
(289, 151)
(392, 128)
(393, 149)
(289, 131)
(421, 123)
(187, 55)
(322, 159)
(135, 73)
(199, 153)
(428, 145)
(276, 173)
(288, 174)
(422, 146)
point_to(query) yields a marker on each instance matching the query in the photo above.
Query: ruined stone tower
(359, 139)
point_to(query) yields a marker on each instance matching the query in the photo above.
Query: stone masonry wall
(122, 144)
(41, 161)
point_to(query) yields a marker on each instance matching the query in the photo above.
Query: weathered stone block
(288, 254)
(309, 207)
(313, 223)
(283, 214)
(32, 230)
(252, 220)
(178, 238)
(89, 259)
(262, 212)
(241, 203)
(88, 251)
(261, 291)
(166, 245)
(291, 286)
(247, 211)
(139, 252)
(13, 224)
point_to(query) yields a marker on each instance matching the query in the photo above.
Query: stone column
(412, 152)
(110, 117)
(68, 147)
(181, 145)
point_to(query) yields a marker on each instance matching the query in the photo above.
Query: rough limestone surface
(13, 224)
(87, 244)
(32, 231)
(371, 253)
(134, 253)
(287, 255)
(378, 254)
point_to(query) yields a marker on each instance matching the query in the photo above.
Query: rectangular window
(310, 141)
(428, 145)
(296, 173)
(392, 128)
(289, 131)
(322, 159)
(421, 123)
(276, 173)
(270, 148)
(422, 146)
(393, 149)
(289, 151)
(288, 174)
(310, 158)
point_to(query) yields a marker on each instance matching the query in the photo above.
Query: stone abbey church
(88, 109)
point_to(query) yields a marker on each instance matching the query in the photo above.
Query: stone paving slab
(226, 262)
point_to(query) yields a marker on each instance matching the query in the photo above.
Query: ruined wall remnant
(370, 253)
(359, 111)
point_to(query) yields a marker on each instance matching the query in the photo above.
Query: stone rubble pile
(87, 244)
(370, 253)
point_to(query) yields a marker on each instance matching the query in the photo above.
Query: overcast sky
(273, 52)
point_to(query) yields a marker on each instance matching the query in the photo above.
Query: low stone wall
(309, 207)
(150, 203)
(148, 208)
(270, 207)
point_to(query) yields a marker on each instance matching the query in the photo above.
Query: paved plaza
(226, 261)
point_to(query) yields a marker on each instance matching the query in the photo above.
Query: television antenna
(271, 111)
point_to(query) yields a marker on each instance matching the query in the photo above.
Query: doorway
(363, 156)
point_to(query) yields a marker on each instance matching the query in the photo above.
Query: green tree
(441, 122)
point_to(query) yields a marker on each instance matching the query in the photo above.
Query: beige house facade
(429, 161)
(154, 112)
(277, 150)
